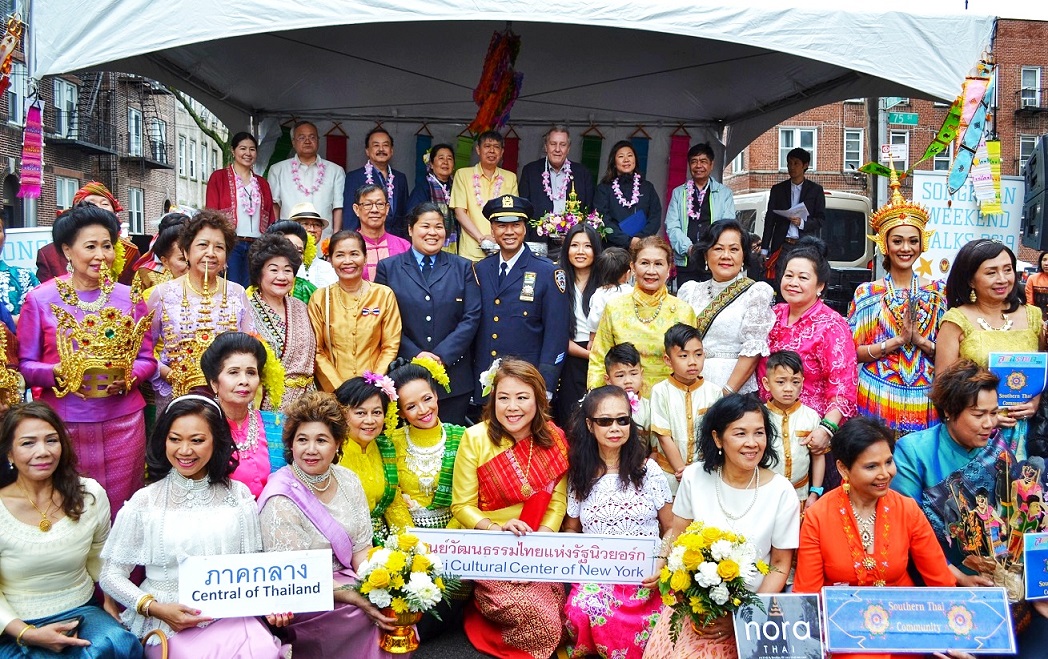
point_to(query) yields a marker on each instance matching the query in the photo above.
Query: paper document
(800, 210)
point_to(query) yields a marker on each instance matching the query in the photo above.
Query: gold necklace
(358, 297)
(525, 489)
(45, 523)
(70, 296)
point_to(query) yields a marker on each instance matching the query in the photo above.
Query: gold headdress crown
(97, 351)
(896, 213)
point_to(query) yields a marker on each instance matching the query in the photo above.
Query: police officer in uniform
(523, 300)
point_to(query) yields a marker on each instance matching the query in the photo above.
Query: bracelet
(816, 490)
(884, 348)
(830, 427)
(870, 353)
(665, 558)
(729, 388)
(142, 607)
(18, 639)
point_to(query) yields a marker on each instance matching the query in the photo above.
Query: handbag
(159, 633)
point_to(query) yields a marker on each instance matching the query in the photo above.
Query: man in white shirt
(306, 177)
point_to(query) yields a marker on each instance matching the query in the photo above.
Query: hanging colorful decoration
(964, 156)
(511, 150)
(335, 145)
(991, 205)
(592, 144)
(677, 168)
(31, 176)
(8, 46)
(947, 133)
(641, 141)
(972, 93)
(499, 84)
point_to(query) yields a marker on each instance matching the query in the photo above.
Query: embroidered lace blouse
(611, 509)
(170, 519)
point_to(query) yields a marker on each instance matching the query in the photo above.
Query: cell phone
(79, 620)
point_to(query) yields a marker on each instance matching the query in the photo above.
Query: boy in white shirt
(793, 422)
(623, 369)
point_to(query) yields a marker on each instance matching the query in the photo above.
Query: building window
(942, 162)
(738, 164)
(65, 189)
(852, 149)
(182, 156)
(192, 159)
(1027, 144)
(203, 162)
(901, 137)
(214, 160)
(134, 132)
(158, 140)
(66, 94)
(1030, 84)
(136, 201)
(791, 138)
(16, 94)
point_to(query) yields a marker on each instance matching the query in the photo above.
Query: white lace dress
(611, 509)
(740, 330)
(170, 519)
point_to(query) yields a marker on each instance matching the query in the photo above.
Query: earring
(69, 267)
(846, 486)
(972, 297)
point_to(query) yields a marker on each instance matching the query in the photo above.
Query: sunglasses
(606, 421)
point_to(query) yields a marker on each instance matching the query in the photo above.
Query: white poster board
(21, 246)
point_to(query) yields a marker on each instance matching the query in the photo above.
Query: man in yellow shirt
(475, 186)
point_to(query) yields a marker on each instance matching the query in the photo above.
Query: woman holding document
(626, 200)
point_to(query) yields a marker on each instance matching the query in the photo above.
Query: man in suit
(378, 145)
(440, 296)
(548, 181)
(782, 233)
(523, 300)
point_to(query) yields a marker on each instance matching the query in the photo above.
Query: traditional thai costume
(15, 284)
(292, 341)
(252, 451)
(792, 427)
(293, 519)
(376, 467)
(512, 619)
(676, 411)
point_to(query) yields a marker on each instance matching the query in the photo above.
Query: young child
(623, 369)
(793, 422)
(611, 270)
(679, 401)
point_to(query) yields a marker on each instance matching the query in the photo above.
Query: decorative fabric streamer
(592, 145)
(511, 150)
(993, 207)
(31, 175)
(981, 176)
(463, 151)
(335, 145)
(423, 142)
(971, 95)
(499, 84)
(282, 149)
(963, 158)
(947, 133)
(641, 142)
(677, 168)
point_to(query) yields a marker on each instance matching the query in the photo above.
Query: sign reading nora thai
(915, 620)
(788, 627)
(237, 585)
(563, 557)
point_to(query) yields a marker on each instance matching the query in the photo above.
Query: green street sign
(903, 118)
(888, 102)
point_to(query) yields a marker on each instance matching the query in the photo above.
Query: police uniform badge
(527, 291)
(561, 279)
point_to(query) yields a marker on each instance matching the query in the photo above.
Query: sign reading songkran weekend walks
(561, 557)
(236, 585)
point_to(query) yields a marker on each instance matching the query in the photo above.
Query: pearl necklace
(425, 462)
(252, 433)
(313, 482)
(716, 486)
(1003, 328)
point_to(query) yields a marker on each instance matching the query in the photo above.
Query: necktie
(427, 267)
(502, 274)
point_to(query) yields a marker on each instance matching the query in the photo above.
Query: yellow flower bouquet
(705, 575)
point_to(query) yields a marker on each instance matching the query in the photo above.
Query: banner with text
(914, 620)
(788, 627)
(957, 220)
(237, 585)
(21, 246)
(562, 557)
(1035, 559)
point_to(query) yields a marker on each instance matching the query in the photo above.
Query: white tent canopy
(734, 69)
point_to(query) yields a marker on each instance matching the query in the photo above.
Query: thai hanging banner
(917, 620)
(560, 557)
(787, 627)
(1035, 558)
(1023, 375)
(238, 585)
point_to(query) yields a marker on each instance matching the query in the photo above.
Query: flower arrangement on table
(404, 580)
(553, 225)
(705, 576)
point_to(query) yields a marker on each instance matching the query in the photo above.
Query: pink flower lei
(249, 197)
(368, 174)
(689, 193)
(318, 180)
(563, 192)
(494, 193)
(383, 382)
(636, 191)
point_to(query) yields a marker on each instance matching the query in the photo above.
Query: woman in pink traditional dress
(245, 197)
(314, 503)
(823, 339)
(233, 366)
(104, 417)
(510, 475)
(613, 489)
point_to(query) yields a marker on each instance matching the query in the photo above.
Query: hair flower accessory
(634, 401)
(309, 252)
(436, 369)
(487, 378)
(383, 382)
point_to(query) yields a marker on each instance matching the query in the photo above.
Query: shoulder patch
(561, 278)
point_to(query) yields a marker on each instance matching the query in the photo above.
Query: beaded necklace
(250, 442)
(72, 298)
(889, 298)
(724, 511)
(868, 570)
(425, 461)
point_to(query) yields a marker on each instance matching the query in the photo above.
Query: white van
(845, 231)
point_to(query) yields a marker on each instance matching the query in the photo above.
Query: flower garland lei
(694, 212)
(636, 191)
(369, 171)
(563, 192)
(494, 193)
(318, 180)
(248, 194)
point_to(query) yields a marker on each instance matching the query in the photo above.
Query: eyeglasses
(368, 205)
(306, 138)
(606, 421)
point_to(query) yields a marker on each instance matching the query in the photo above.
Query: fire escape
(147, 145)
(88, 125)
